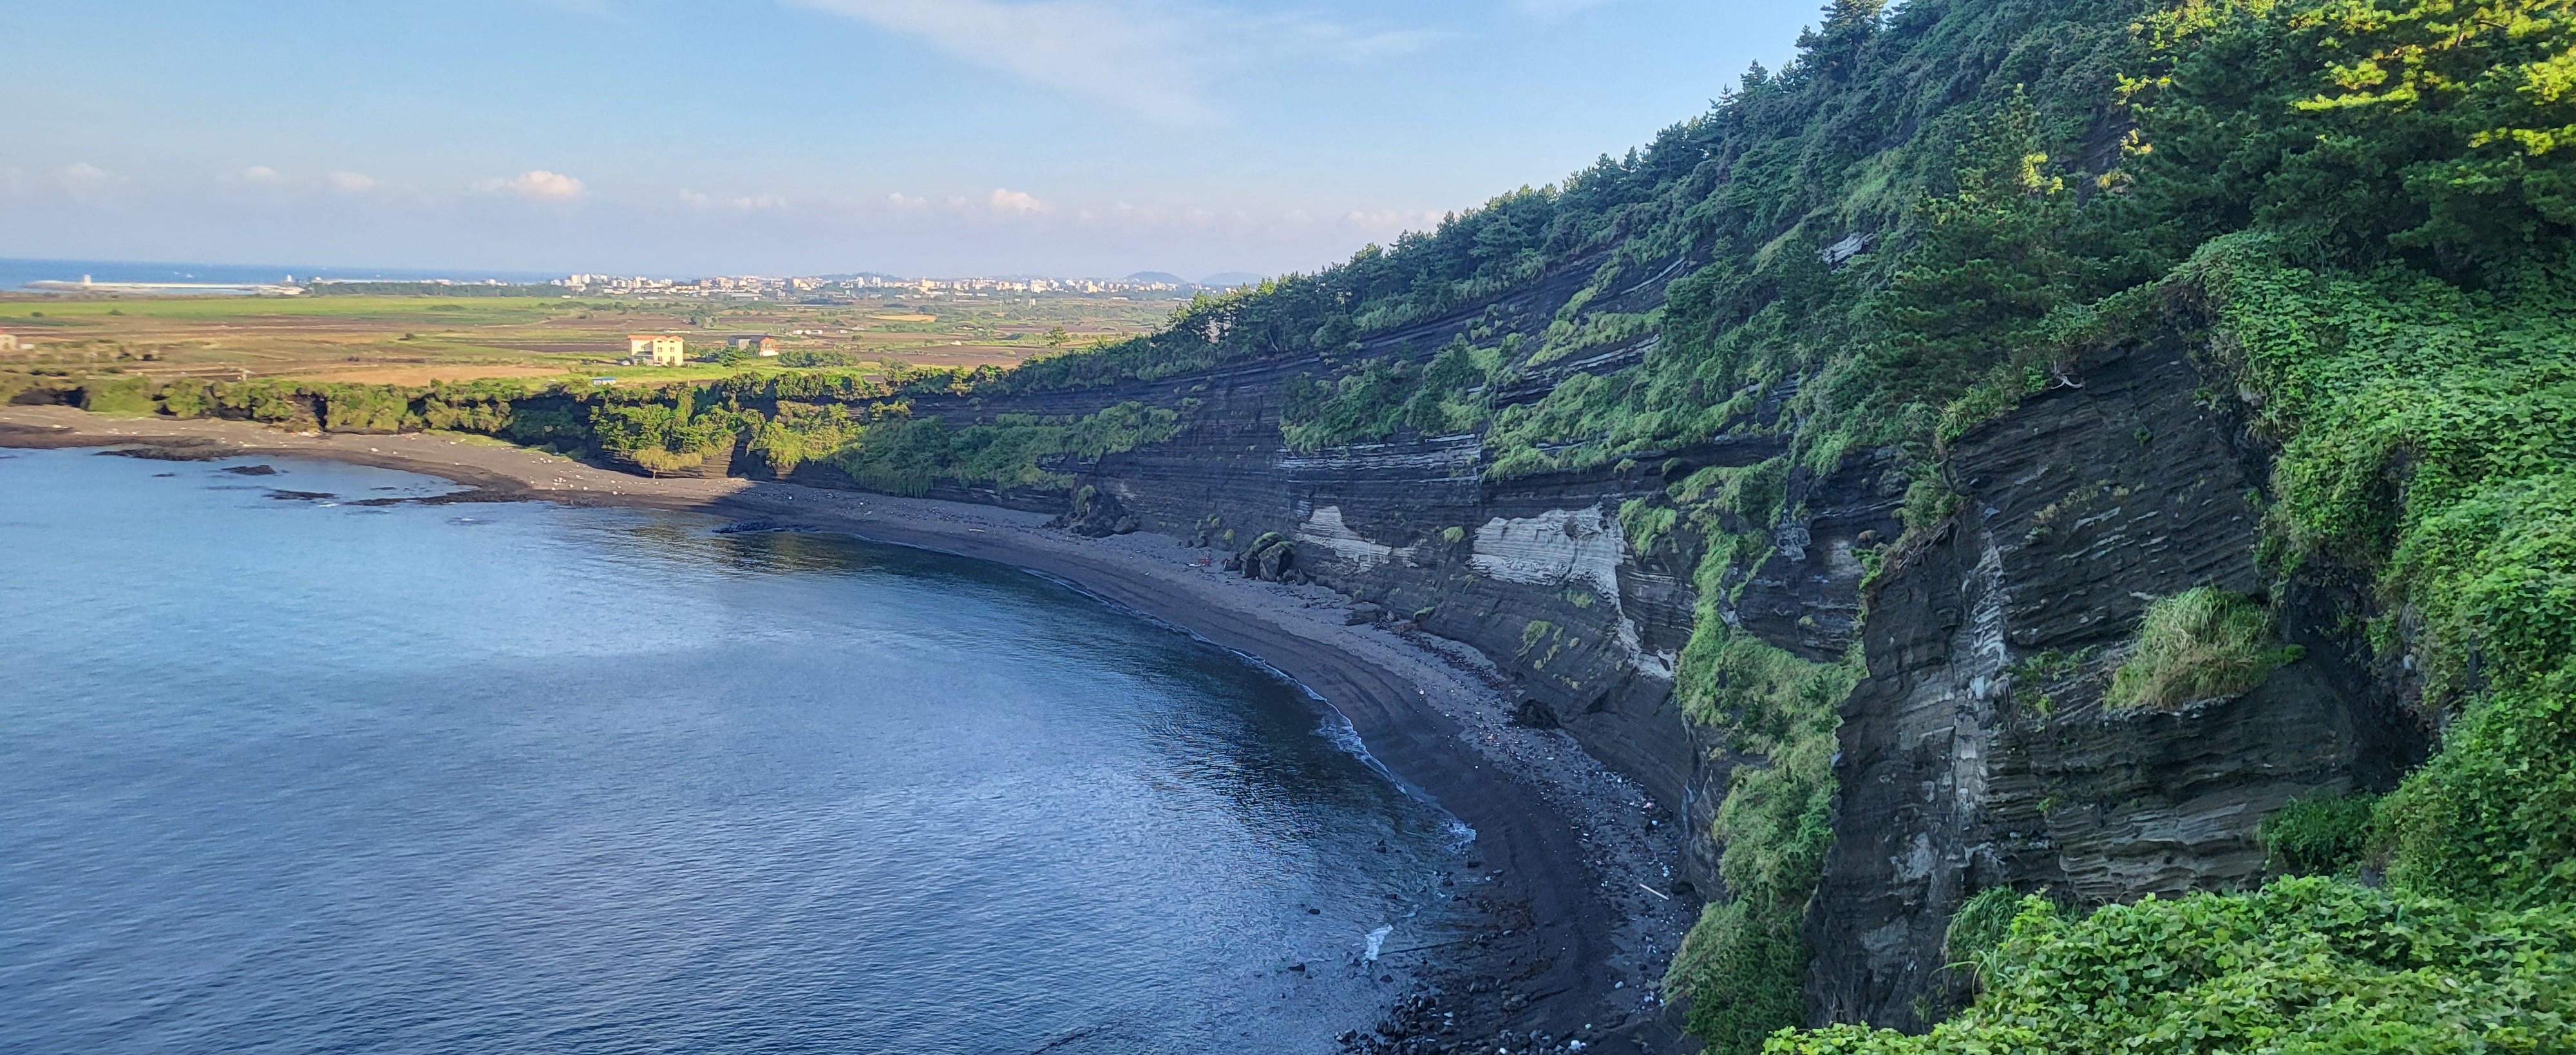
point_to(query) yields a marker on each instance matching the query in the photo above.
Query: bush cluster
(2307, 966)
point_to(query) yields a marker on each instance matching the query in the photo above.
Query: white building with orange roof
(663, 349)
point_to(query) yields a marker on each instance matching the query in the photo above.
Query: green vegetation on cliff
(2303, 965)
(2359, 214)
(906, 455)
(2359, 211)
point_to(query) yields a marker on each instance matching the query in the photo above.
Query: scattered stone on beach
(251, 470)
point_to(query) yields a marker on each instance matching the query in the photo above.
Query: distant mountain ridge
(1220, 279)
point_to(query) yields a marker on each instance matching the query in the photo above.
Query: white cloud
(258, 174)
(1152, 60)
(81, 177)
(79, 181)
(1339, 42)
(1015, 203)
(536, 183)
(1001, 202)
(697, 200)
(1084, 48)
(349, 182)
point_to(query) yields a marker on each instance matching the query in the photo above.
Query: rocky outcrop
(1097, 513)
(1978, 753)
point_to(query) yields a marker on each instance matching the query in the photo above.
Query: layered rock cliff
(1975, 754)
(1978, 752)
(1821, 464)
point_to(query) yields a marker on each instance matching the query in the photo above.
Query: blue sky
(939, 137)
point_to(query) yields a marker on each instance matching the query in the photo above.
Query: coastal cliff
(2019, 463)
(1966, 761)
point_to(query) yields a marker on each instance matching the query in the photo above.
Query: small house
(758, 342)
(660, 349)
(8, 342)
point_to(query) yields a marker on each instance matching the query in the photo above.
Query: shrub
(2494, 815)
(1741, 968)
(2319, 835)
(121, 395)
(365, 408)
(662, 461)
(2307, 965)
(2197, 644)
(187, 397)
(1980, 926)
(802, 432)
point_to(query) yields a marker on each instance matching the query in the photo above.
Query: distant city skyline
(52, 275)
(930, 137)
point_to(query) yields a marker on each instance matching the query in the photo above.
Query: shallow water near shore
(286, 773)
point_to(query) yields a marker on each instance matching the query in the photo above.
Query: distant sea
(16, 272)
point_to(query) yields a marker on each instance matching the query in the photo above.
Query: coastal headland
(1553, 956)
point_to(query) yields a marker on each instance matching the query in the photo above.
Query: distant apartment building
(663, 349)
(758, 342)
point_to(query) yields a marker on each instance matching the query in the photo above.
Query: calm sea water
(287, 774)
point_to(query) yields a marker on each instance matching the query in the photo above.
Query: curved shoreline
(1551, 954)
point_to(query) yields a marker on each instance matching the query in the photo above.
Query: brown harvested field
(411, 340)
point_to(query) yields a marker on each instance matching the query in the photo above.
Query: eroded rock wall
(1961, 766)
(1978, 754)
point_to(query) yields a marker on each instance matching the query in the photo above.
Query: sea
(292, 761)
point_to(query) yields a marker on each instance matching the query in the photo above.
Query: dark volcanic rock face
(1977, 753)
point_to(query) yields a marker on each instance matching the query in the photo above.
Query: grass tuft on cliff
(2196, 645)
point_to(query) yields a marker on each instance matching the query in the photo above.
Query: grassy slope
(2363, 205)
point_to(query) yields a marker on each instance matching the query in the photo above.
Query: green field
(414, 340)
